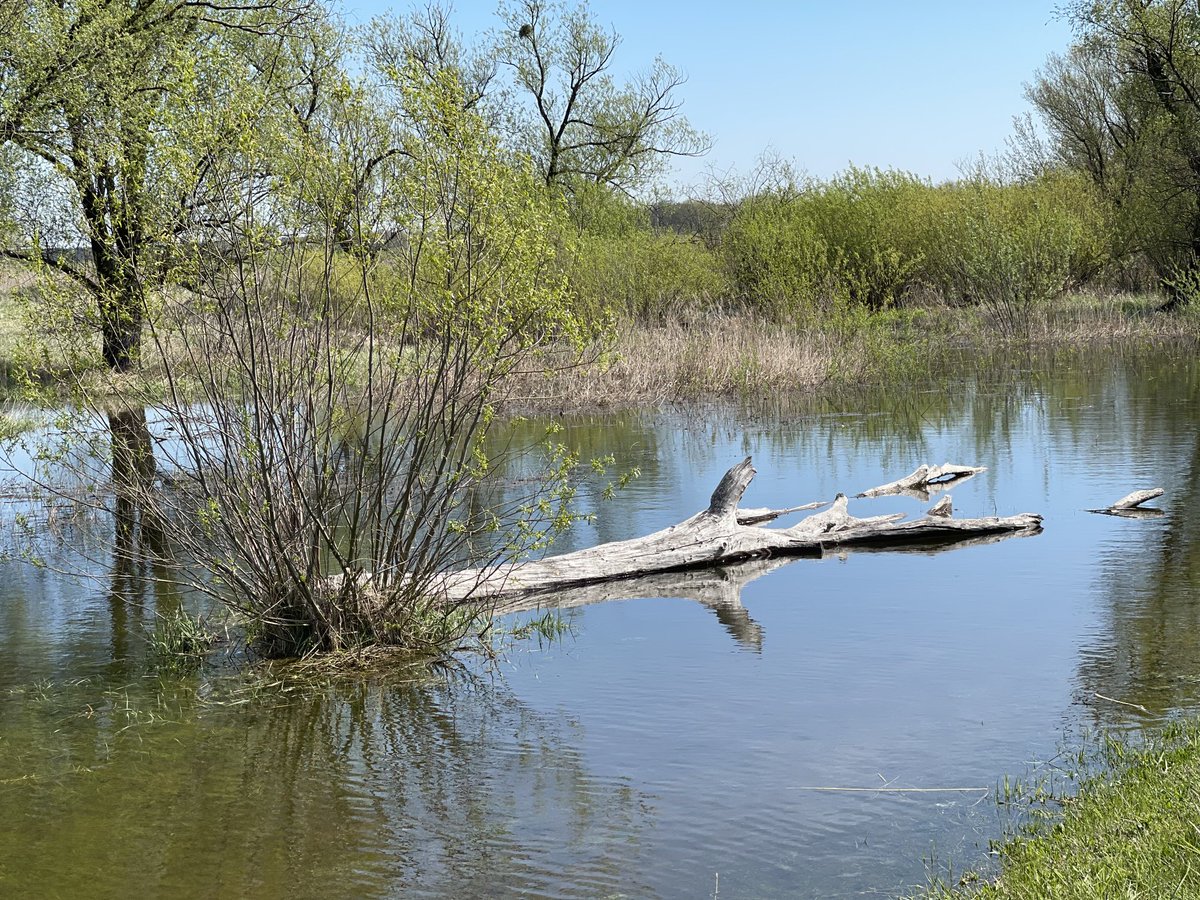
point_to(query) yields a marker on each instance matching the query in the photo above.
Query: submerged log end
(729, 492)
(1137, 498)
(1131, 505)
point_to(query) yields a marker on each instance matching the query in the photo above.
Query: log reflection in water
(718, 588)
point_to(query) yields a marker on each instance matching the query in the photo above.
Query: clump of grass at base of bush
(181, 641)
(547, 627)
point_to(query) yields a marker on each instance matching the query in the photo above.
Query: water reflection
(138, 534)
(351, 789)
(719, 589)
(1150, 656)
(139, 561)
(665, 740)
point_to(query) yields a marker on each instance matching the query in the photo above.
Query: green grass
(1131, 831)
(692, 353)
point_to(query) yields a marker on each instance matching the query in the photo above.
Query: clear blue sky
(920, 86)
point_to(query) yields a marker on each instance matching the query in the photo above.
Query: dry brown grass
(740, 356)
(1086, 318)
(721, 357)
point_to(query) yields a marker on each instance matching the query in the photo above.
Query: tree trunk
(121, 305)
(121, 334)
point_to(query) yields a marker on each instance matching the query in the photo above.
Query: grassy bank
(744, 356)
(1133, 830)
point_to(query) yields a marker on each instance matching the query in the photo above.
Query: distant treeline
(1099, 189)
(867, 237)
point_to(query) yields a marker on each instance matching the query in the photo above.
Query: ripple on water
(653, 751)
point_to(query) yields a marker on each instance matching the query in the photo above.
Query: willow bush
(776, 260)
(328, 420)
(645, 276)
(1012, 247)
(876, 238)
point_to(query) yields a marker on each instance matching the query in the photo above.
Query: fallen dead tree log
(718, 588)
(715, 536)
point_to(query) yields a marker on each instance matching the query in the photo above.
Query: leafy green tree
(346, 453)
(560, 104)
(1123, 106)
(121, 115)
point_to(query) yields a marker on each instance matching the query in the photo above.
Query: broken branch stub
(943, 508)
(765, 514)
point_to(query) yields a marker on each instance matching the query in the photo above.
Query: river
(840, 734)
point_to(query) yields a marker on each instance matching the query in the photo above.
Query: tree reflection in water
(375, 787)
(1151, 657)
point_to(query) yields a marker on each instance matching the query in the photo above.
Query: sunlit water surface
(663, 748)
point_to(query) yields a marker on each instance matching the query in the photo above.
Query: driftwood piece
(925, 479)
(714, 536)
(1137, 498)
(1130, 506)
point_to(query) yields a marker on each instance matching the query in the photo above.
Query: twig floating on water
(1136, 706)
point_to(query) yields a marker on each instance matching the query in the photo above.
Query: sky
(920, 86)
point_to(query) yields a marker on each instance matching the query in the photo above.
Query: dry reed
(721, 357)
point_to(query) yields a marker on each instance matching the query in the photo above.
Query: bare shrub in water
(324, 436)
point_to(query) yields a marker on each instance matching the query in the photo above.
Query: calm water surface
(666, 748)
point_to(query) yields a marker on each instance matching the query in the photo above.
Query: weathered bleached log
(714, 536)
(1129, 505)
(924, 479)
